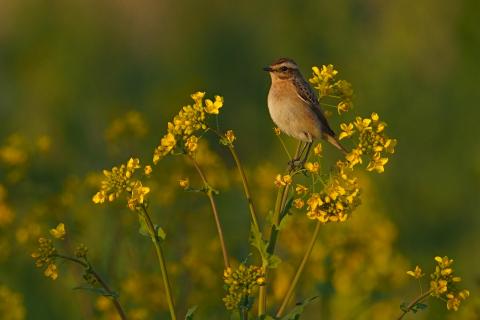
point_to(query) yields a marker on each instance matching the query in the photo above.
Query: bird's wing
(305, 92)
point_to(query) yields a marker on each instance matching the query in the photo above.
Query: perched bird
(294, 107)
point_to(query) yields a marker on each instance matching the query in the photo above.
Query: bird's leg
(300, 158)
(308, 147)
(295, 160)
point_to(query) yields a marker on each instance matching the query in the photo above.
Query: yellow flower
(354, 157)
(99, 197)
(298, 203)
(314, 201)
(191, 144)
(213, 106)
(347, 131)
(230, 136)
(58, 232)
(148, 170)
(301, 189)
(277, 131)
(453, 302)
(51, 271)
(282, 180)
(443, 262)
(318, 149)
(345, 90)
(377, 164)
(312, 167)
(417, 273)
(184, 183)
(240, 283)
(326, 73)
(137, 196)
(343, 106)
(167, 143)
(439, 287)
(198, 96)
(133, 163)
(363, 124)
(390, 145)
(464, 294)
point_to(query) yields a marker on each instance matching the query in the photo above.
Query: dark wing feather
(306, 93)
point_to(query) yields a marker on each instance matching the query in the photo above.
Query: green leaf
(99, 291)
(143, 229)
(421, 306)
(190, 312)
(284, 222)
(266, 317)
(268, 260)
(298, 310)
(286, 209)
(160, 232)
(273, 261)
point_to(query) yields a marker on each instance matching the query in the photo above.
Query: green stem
(246, 188)
(279, 206)
(299, 271)
(214, 211)
(161, 262)
(414, 302)
(100, 280)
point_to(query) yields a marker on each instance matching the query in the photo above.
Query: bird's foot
(294, 164)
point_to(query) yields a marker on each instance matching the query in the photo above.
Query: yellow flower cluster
(323, 80)
(372, 142)
(81, 251)
(230, 136)
(417, 273)
(189, 120)
(45, 256)
(121, 179)
(59, 232)
(282, 181)
(241, 283)
(443, 284)
(335, 202)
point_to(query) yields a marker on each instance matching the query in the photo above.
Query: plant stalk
(161, 262)
(214, 211)
(246, 188)
(100, 280)
(414, 302)
(299, 271)
(280, 203)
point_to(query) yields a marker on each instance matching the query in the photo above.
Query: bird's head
(282, 69)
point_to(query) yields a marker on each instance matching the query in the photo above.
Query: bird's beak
(267, 69)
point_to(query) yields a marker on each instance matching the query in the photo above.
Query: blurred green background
(68, 69)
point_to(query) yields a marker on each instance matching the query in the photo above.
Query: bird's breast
(291, 114)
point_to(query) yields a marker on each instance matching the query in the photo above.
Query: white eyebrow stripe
(287, 64)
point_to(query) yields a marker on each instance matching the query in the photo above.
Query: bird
(294, 107)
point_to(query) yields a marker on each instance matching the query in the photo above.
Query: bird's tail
(335, 143)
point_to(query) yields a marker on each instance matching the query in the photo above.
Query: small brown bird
(294, 107)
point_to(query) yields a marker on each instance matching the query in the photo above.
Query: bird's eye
(284, 68)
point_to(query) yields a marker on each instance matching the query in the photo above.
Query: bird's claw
(294, 164)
